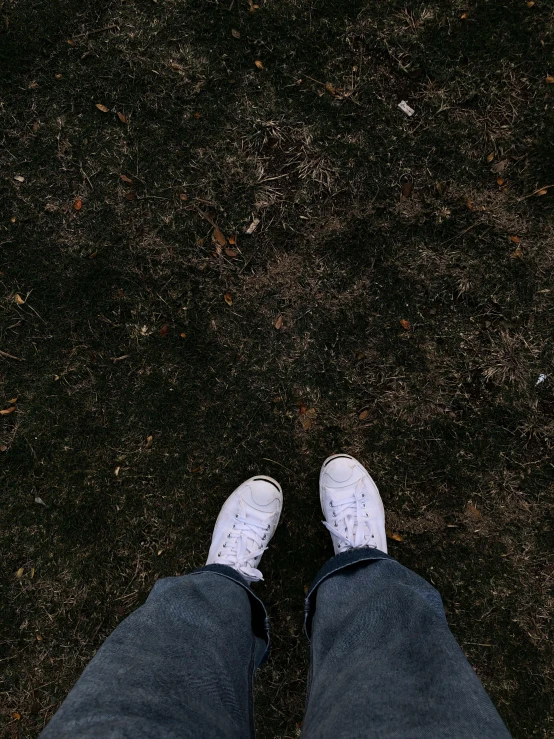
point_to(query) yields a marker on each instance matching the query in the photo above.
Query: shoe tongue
(340, 492)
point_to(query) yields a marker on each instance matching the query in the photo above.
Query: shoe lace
(246, 544)
(351, 513)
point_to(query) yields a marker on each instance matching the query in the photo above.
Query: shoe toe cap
(340, 469)
(264, 493)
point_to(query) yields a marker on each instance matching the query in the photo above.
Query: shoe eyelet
(268, 527)
(363, 505)
(336, 525)
(264, 537)
(219, 554)
(372, 536)
(363, 495)
(334, 514)
(339, 546)
(236, 515)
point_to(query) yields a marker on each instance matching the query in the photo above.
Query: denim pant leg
(384, 664)
(179, 667)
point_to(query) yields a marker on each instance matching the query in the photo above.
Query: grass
(458, 433)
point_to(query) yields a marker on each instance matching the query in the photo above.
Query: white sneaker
(351, 504)
(245, 525)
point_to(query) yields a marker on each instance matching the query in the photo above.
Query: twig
(546, 187)
(460, 234)
(10, 356)
(205, 216)
(96, 30)
(266, 459)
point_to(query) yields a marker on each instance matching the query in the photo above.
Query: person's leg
(384, 664)
(182, 665)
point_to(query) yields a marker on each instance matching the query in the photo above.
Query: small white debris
(253, 226)
(541, 378)
(19, 178)
(403, 105)
(40, 501)
(116, 471)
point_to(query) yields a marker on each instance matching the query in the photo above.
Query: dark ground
(133, 434)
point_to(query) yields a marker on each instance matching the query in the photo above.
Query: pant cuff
(339, 562)
(260, 619)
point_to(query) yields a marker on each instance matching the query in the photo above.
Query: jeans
(384, 664)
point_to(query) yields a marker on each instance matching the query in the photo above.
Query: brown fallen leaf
(3, 448)
(58, 76)
(330, 88)
(405, 324)
(530, 3)
(197, 115)
(7, 411)
(407, 188)
(500, 181)
(232, 240)
(499, 167)
(279, 322)
(183, 196)
(515, 239)
(541, 192)
(78, 204)
(32, 571)
(39, 637)
(490, 157)
(363, 415)
(259, 64)
(126, 179)
(183, 335)
(516, 254)
(219, 237)
(472, 511)
(306, 422)
(122, 117)
(16, 715)
(148, 442)
(102, 108)
(228, 299)
(12, 400)
(131, 195)
(164, 330)
(20, 572)
(302, 409)
(463, 16)
(36, 126)
(360, 355)
(550, 80)
(235, 33)
(393, 535)
(231, 252)
(18, 299)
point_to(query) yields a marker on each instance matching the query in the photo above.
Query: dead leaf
(360, 355)
(393, 535)
(253, 226)
(19, 178)
(20, 572)
(500, 181)
(58, 76)
(404, 323)
(279, 322)
(16, 716)
(530, 3)
(164, 330)
(228, 299)
(306, 422)
(148, 442)
(122, 117)
(36, 126)
(183, 196)
(363, 415)
(131, 195)
(219, 237)
(407, 188)
(232, 240)
(197, 115)
(259, 64)
(32, 572)
(235, 33)
(18, 299)
(12, 400)
(78, 204)
(3, 448)
(517, 253)
(231, 252)
(515, 239)
(463, 16)
(302, 409)
(183, 335)
(39, 637)
(7, 411)
(550, 80)
(490, 157)
(126, 179)
(102, 108)
(499, 167)
(472, 512)
(330, 88)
